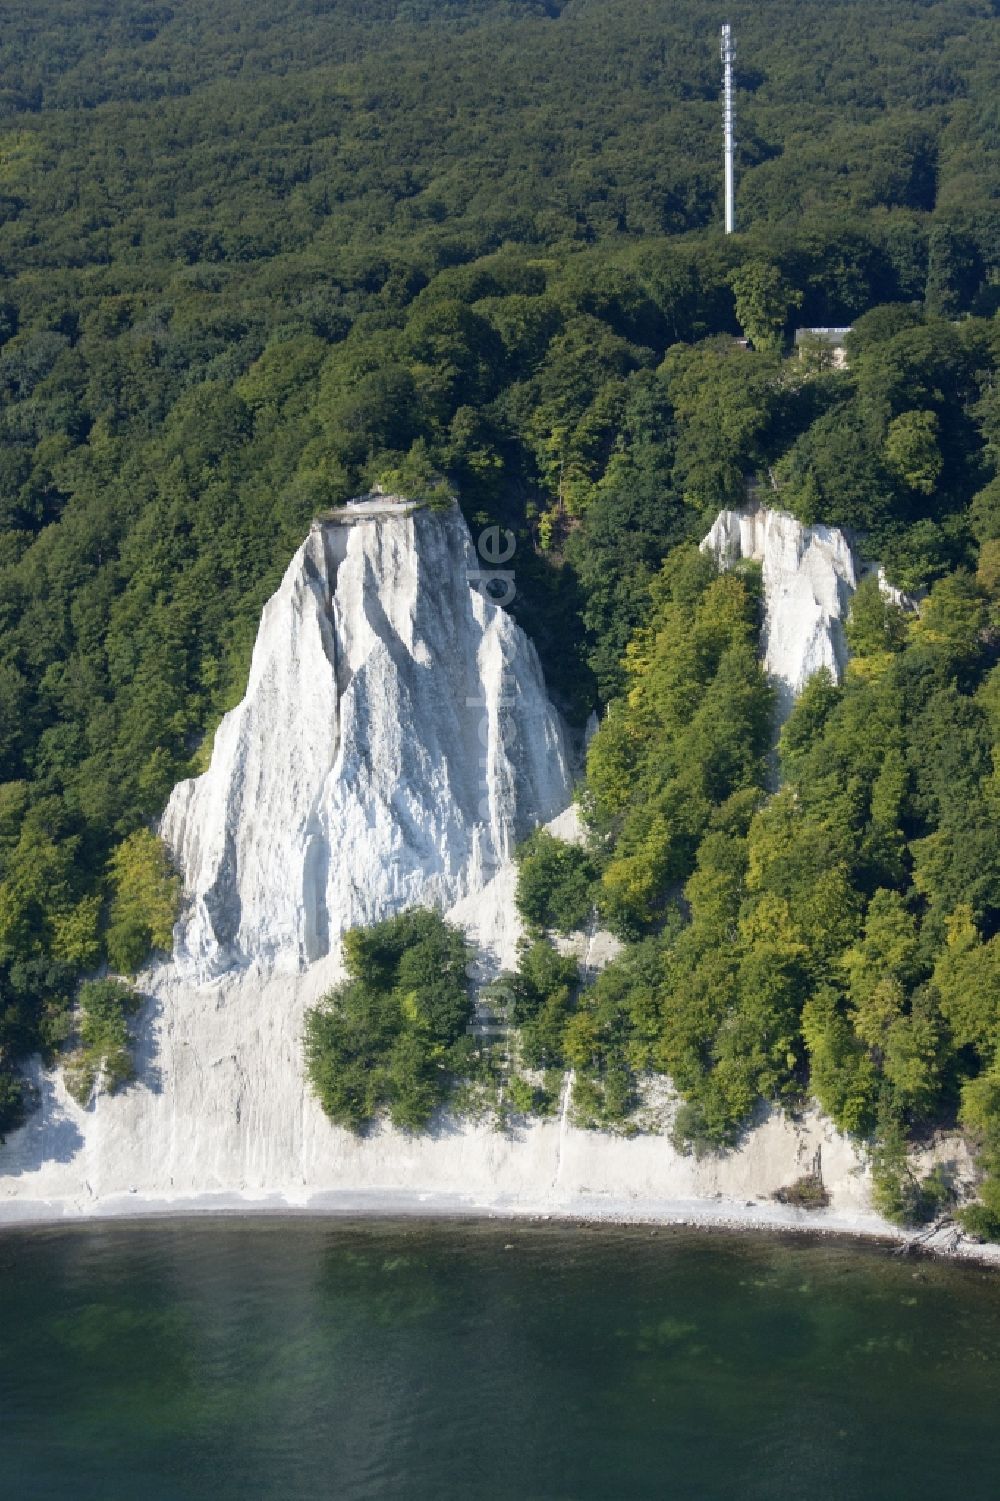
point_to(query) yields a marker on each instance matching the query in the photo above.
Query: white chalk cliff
(808, 574)
(394, 742)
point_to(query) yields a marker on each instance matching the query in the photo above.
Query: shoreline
(751, 1217)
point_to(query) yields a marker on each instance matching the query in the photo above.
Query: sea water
(313, 1359)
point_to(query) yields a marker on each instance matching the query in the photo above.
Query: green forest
(395, 1033)
(258, 257)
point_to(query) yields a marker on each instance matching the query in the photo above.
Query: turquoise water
(286, 1359)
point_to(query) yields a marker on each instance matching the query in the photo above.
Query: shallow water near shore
(302, 1359)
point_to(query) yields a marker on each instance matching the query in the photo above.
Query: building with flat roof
(826, 347)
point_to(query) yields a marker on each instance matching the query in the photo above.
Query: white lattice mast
(729, 123)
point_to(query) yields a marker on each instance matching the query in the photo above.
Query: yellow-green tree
(146, 893)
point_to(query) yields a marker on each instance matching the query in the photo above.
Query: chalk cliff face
(394, 743)
(808, 576)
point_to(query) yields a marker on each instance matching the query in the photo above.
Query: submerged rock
(809, 577)
(394, 743)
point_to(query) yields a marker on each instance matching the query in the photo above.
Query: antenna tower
(729, 123)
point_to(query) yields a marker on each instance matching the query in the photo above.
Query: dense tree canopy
(255, 259)
(390, 1037)
(845, 930)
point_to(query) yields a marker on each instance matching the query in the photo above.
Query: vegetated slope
(253, 262)
(839, 935)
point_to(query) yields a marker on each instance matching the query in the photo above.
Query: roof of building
(827, 335)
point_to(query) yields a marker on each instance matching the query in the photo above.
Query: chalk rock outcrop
(809, 578)
(394, 743)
